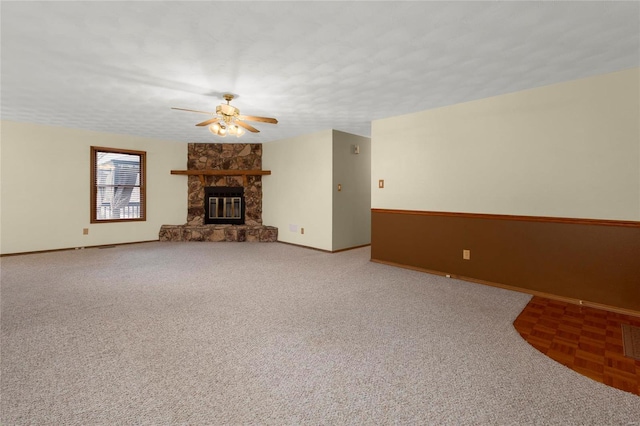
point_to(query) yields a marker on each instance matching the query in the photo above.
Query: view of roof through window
(118, 186)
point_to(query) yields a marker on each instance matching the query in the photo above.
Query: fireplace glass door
(225, 207)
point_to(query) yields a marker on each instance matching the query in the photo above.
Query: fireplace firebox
(223, 205)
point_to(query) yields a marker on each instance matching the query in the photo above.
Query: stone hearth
(219, 233)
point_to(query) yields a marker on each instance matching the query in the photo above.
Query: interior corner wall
(297, 194)
(352, 203)
(566, 150)
(541, 186)
(45, 174)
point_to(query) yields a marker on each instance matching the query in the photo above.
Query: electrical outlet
(85, 231)
(466, 254)
(381, 183)
(302, 230)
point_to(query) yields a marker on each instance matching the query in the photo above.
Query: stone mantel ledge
(219, 233)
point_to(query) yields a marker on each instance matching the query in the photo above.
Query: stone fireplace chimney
(205, 156)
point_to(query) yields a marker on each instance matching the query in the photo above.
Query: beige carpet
(254, 333)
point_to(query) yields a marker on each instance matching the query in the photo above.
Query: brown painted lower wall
(590, 260)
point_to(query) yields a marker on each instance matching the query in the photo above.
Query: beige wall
(298, 192)
(351, 205)
(565, 150)
(302, 191)
(45, 188)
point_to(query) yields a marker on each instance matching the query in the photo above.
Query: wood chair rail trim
(578, 221)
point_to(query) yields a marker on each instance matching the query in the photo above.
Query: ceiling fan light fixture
(218, 129)
(227, 119)
(214, 128)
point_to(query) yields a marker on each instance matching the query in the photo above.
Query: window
(117, 185)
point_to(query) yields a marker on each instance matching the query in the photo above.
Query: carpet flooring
(255, 333)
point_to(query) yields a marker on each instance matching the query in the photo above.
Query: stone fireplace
(224, 207)
(227, 156)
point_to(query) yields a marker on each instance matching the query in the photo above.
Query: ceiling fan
(228, 121)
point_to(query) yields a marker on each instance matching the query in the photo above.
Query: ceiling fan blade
(261, 119)
(246, 126)
(206, 123)
(193, 110)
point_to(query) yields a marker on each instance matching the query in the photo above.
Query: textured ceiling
(120, 66)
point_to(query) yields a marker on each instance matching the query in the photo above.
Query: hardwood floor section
(587, 340)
